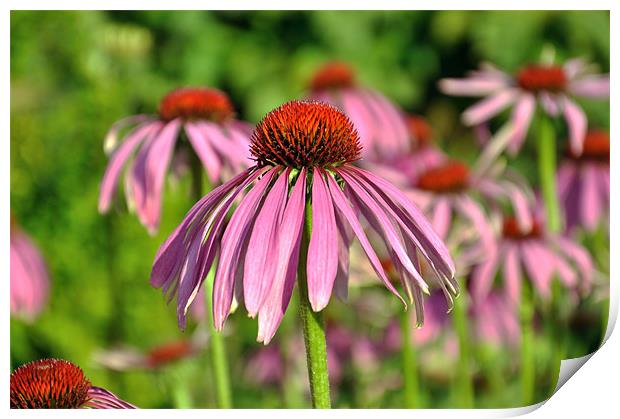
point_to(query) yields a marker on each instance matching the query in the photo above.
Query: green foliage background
(74, 73)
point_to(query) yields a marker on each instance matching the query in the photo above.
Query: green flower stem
(219, 360)
(410, 364)
(313, 325)
(547, 172)
(464, 385)
(526, 317)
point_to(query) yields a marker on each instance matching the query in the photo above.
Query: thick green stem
(547, 171)
(464, 385)
(526, 317)
(219, 359)
(410, 364)
(313, 327)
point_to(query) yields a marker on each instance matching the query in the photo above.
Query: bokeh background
(74, 73)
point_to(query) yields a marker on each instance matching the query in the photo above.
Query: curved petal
(596, 86)
(322, 263)
(521, 119)
(591, 205)
(203, 149)
(577, 125)
(489, 107)
(472, 86)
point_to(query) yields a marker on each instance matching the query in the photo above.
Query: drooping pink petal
(577, 125)
(580, 256)
(117, 161)
(472, 210)
(596, 86)
(275, 305)
(431, 246)
(489, 107)
(383, 225)
(362, 119)
(347, 212)
(442, 216)
(261, 258)
(483, 275)
(202, 147)
(226, 146)
(591, 206)
(512, 272)
(110, 143)
(565, 178)
(538, 265)
(158, 160)
(235, 235)
(521, 119)
(322, 263)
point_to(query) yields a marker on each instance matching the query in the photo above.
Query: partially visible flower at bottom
(303, 152)
(541, 254)
(29, 276)
(584, 183)
(58, 384)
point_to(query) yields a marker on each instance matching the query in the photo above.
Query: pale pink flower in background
(535, 255)
(301, 149)
(58, 384)
(379, 122)
(29, 276)
(553, 87)
(584, 184)
(205, 116)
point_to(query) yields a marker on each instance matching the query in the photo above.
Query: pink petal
(442, 217)
(489, 107)
(275, 305)
(322, 263)
(471, 87)
(596, 86)
(512, 272)
(591, 203)
(202, 147)
(235, 235)
(261, 257)
(521, 119)
(118, 159)
(483, 275)
(577, 125)
(347, 212)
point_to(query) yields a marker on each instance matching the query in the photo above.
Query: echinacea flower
(535, 254)
(551, 86)
(303, 153)
(583, 183)
(58, 384)
(379, 122)
(205, 115)
(449, 193)
(29, 276)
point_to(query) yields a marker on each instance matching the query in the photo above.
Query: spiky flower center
(538, 78)
(196, 103)
(49, 384)
(419, 130)
(305, 134)
(168, 353)
(512, 230)
(452, 176)
(595, 147)
(335, 75)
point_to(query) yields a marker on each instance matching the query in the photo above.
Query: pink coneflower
(58, 384)
(29, 276)
(303, 152)
(447, 193)
(534, 254)
(552, 86)
(583, 183)
(207, 118)
(380, 125)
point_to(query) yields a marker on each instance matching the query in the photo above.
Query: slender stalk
(526, 317)
(464, 385)
(410, 364)
(313, 325)
(219, 360)
(547, 171)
